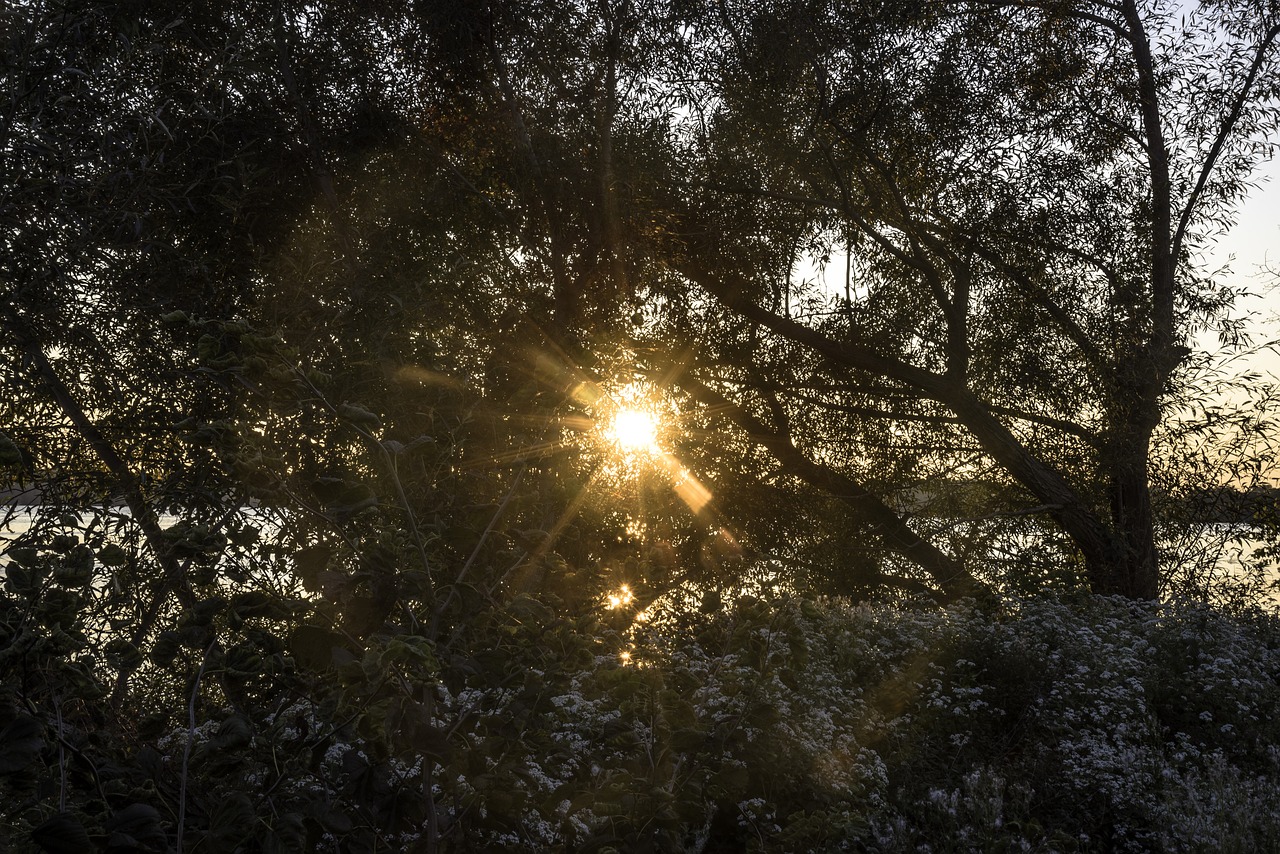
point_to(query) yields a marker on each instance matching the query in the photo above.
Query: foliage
(1017, 193)
(1214, 486)
(1047, 723)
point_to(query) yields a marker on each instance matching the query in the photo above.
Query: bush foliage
(1055, 722)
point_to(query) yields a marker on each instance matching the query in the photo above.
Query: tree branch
(1220, 139)
(953, 579)
(1095, 540)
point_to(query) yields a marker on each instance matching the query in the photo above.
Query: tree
(1021, 190)
(126, 187)
(1003, 179)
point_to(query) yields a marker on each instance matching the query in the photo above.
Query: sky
(1253, 243)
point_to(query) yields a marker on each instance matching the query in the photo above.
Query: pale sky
(1255, 242)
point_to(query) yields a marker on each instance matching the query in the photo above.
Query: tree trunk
(1137, 575)
(1125, 461)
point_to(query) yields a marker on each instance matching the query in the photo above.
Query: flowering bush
(1043, 723)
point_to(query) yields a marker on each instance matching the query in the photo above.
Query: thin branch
(1043, 480)
(1041, 294)
(1220, 139)
(191, 735)
(1057, 8)
(434, 626)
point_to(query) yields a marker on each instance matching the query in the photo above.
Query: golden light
(624, 596)
(635, 431)
(633, 421)
(690, 489)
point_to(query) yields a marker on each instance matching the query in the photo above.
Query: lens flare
(622, 597)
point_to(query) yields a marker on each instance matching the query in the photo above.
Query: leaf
(25, 556)
(233, 733)
(336, 821)
(410, 721)
(308, 563)
(64, 543)
(530, 611)
(194, 541)
(10, 453)
(358, 415)
(432, 742)
(763, 714)
(313, 646)
(202, 613)
(243, 660)
(231, 822)
(411, 648)
(17, 579)
(343, 497)
(76, 569)
(258, 603)
(62, 834)
(20, 744)
(207, 347)
(288, 834)
(112, 555)
(245, 536)
(123, 655)
(135, 827)
(687, 741)
(730, 781)
(166, 648)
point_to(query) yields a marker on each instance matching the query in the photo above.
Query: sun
(635, 431)
(633, 422)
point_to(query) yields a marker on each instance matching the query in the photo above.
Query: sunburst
(634, 431)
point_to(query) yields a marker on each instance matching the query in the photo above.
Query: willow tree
(1010, 199)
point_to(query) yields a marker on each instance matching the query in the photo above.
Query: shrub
(1041, 723)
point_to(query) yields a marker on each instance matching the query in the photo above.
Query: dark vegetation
(311, 319)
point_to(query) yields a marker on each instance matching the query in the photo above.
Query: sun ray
(519, 453)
